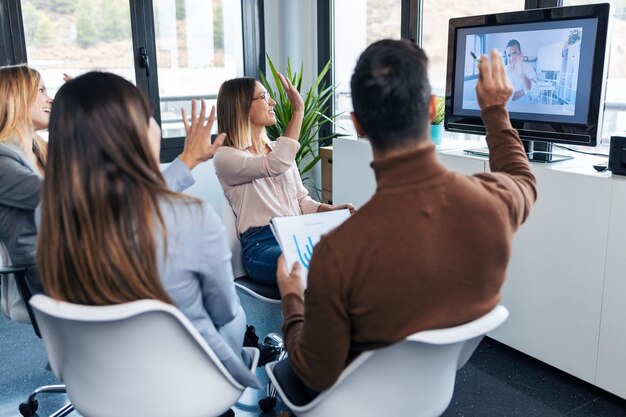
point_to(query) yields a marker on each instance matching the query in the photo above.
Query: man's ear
(357, 126)
(432, 107)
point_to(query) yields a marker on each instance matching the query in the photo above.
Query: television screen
(556, 60)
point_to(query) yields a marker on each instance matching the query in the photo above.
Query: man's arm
(318, 338)
(531, 85)
(517, 189)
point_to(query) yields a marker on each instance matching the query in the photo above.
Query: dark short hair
(391, 93)
(513, 42)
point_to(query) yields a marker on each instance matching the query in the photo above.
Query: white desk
(566, 285)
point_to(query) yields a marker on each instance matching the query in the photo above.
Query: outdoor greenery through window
(76, 36)
(199, 45)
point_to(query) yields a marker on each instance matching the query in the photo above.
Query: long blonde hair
(100, 216)
(19, 86)
(233, 111)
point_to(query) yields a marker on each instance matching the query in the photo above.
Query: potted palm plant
(436, 131)
(316, 101)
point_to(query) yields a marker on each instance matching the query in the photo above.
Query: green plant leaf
(316, 101)
(440, 110)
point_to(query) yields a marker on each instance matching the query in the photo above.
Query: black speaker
(617, 155)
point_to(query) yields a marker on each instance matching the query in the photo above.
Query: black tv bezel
(558, 132)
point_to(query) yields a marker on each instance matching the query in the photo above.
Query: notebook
(298, 235)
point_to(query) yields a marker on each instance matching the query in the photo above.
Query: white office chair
(11, 302)
(414, 377)
(142, 358)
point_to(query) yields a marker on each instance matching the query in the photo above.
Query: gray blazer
(20, 188)
(197, 274)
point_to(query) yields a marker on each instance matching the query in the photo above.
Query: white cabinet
(554, 282)
(353, 177)
(611, 373)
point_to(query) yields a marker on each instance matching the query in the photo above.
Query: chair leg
(62, 412)
(268, 403)
(29, 408)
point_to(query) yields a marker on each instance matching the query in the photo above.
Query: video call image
(542, 65)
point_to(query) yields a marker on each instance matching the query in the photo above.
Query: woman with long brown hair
(24, 109)
(112, 232)
(260, 177)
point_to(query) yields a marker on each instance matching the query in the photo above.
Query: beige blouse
(262, 187)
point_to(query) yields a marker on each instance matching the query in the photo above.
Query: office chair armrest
(13, 269)
(19, 272)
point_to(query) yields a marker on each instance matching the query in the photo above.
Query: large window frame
(13, 50)
(411, 27)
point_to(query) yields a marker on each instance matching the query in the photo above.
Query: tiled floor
(498, 381)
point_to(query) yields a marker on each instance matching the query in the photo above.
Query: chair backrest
(142, 358)
(230, 223)
(264, 292)
(414, 377)
(11, 302)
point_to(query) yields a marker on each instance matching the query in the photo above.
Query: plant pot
(436, 133)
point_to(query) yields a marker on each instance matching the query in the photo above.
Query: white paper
(298, 235)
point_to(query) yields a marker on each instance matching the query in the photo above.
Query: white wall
(207, 187)
(291, 32)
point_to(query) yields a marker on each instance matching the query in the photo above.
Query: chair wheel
(29, 409)
(267, 404)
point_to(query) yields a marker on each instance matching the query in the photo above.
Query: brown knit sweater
(429, 250)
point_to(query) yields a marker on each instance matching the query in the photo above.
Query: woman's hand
(292, 93)
(295, 124)
(329, 207)
(198, 147)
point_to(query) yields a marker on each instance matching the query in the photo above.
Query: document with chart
(297, 235)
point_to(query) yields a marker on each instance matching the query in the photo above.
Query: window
(76, 36)
(195, 54)
(190, 46)
(615, 101)
(436, 15)
(357, 24)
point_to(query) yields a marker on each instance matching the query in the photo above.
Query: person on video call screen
(521, 74)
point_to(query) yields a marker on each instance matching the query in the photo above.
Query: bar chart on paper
(298, 235)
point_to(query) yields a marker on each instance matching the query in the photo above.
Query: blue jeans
(260, 252)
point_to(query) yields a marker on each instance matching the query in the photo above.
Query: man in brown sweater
(430, 249)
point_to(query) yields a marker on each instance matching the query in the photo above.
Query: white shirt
(518, 83)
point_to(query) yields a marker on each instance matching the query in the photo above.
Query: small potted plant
(436, 131)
